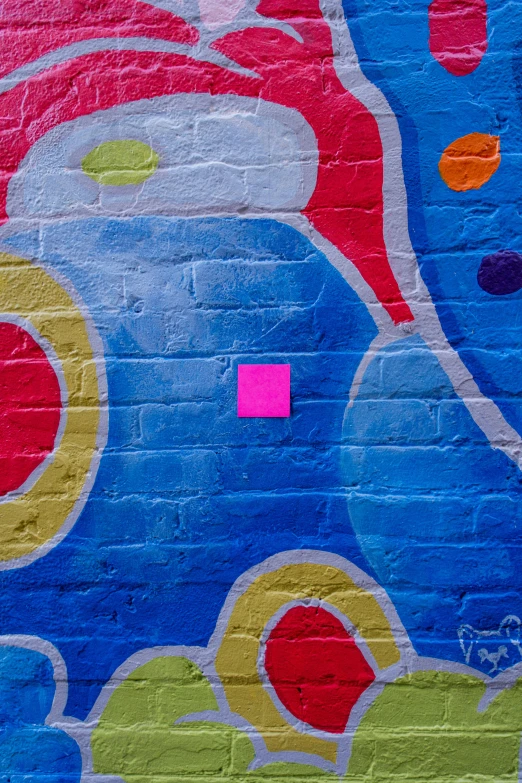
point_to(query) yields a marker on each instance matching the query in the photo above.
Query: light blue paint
(422, 476)
(29, 751)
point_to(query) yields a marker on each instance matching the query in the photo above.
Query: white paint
(485, 413)
(218, 154)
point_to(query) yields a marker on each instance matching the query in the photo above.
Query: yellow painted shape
(121, 162)
(29, 521)
(236, 660)
(469, 162)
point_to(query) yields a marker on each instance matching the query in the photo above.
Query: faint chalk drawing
(491, 650)
(493, 658)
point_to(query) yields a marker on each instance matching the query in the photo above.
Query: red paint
(346, 206)
(316, 668)
(33, 28)
(30, 406)
(458, 34)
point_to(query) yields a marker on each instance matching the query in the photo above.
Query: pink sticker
(263, 390)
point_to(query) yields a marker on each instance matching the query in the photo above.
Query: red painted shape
(347, 204)
(458, 34)
(33, 28)
(316, 668)
(30, 406)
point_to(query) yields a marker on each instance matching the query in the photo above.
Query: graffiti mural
(260, 347)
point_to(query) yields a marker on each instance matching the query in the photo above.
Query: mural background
(192, 591)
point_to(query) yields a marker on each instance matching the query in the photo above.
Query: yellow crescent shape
(32, 522)
(236, 660)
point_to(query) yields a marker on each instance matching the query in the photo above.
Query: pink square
(263, 390)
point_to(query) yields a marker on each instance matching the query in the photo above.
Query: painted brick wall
(260, 371)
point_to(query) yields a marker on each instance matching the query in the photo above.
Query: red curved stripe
(29, 30)
(347, 204)
(458, 34)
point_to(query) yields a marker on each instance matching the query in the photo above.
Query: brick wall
(210, 572)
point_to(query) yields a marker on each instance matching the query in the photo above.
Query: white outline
(409, 663)
(299, 725)
(205, 657)
(403, 261)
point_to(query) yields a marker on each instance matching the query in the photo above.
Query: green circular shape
(124, 162)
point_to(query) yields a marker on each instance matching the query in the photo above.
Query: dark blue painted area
(438, 513)
(29, 751)
(452, 232)
(188, 496)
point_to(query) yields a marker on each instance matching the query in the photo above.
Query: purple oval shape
(501, 273)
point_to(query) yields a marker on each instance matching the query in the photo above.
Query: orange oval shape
(469, 162)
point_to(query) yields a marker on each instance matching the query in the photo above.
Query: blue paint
(26, 686)
(38, 754)
(439, 520)
(452, 232)
(30, 751)
(425, 485)
(187, 494)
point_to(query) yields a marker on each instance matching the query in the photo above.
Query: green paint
(136, 737)
(288, 772)
(423, 728)
(124, 162)
(426, 727)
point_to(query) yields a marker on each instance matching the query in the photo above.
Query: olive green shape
(123, 162)
(289, 772)
(138, 740)
(137, 737)
(426, 727)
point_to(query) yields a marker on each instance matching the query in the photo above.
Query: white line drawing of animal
(492, 657)
(510, 630)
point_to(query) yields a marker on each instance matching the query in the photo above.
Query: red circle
(30, 406)
(316, 668)
(458, 34)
